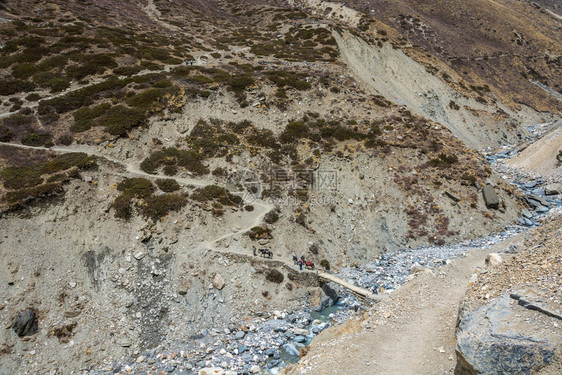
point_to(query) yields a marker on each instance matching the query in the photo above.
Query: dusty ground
(540, 157)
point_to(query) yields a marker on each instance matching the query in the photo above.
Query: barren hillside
(147, 146)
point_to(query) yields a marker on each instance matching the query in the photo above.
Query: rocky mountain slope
(147, 146)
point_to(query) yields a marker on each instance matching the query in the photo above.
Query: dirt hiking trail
(410, 332)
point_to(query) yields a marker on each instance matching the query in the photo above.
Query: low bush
(167, 185)
(118, 120)
(294, 130)
(53, 81)
(274, 276)
(443, 161)
(136, 187)
(214, 193)
(24, 195)
(12, 86)
(65, 139)
(240, 83)
(36, 138)
(324, 263)
(259, 232)
(122, 207)
(24, 70)
(188, 159)
(271, 217)
(127, 70)
(33, 97)
(158, 206)
(6, 135)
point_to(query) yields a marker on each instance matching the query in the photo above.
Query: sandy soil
(540, 157)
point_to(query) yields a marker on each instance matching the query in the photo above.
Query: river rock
(536, 201)
(318, 299)
(502, 337)
(490, 196)
(553, 189)
(218, 281)
(526, 214)
(211, 371)
(291, 349)
(25, 323)
(239, 335)
(299, 339)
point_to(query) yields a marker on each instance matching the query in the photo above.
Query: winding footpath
(131, 170)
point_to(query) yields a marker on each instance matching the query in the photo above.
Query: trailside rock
(503, 337)
(218, 281)
(25, 323)
(490, 197)
(493, 258)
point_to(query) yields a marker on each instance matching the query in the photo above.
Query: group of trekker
(296, 261)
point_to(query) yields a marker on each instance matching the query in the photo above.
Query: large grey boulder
(318, 299)
(491, 197)
(25, 323)
(504, 337)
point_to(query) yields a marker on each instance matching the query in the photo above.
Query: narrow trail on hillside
(130, 168)
(262, 207)
(154, 14)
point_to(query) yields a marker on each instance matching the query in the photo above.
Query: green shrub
(168, 185)
(68, 160)
(20, 196)
(122, 206)
(33, 97)
(54, 81)
(136, 187)
(21, 177)
(293, 131)
(240, 83)
(158, 206)
(127, 70)
(83, 118)
(36, 139)
(324, 263)
(118, 120)
(12, 86)
(24, 70)
(263, 138)
(217, 194)
(188, 159)
(57, 61)
(28, 176)
(274, 276)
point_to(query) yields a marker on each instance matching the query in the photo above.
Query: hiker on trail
(300, 264)
(255, 251)
(295, 259)
(191, 62)
(302, 258)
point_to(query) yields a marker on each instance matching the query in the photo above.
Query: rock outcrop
(503, 337)
(490, 197)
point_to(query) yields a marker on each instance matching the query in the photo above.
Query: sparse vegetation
(274, 276)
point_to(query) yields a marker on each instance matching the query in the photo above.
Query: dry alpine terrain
(147, 146)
